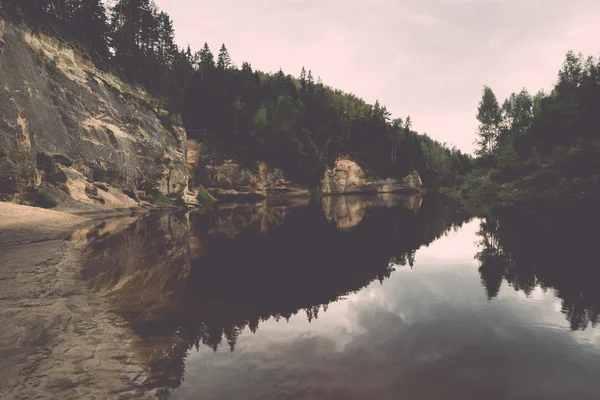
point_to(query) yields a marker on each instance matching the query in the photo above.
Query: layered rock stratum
(347, 177)
(66, 122)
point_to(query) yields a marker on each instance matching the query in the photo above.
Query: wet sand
(57, 337)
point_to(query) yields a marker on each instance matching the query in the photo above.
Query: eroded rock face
(230, 179)
(411, 182)
(77, 186)
(348, 177)
(57, 108)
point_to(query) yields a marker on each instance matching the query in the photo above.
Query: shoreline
(59, 337)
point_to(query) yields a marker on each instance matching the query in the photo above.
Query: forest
(295, 123)
(544, 144)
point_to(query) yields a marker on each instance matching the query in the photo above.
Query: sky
(425, 58)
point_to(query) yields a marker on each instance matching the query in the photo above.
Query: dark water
(359, 297)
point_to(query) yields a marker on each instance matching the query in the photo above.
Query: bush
(160, 198)
(204, 197)
(44, 200)
(480, 186)
(507, 173)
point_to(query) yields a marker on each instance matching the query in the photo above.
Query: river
(380, 297)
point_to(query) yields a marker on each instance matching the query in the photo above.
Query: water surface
(387, 297)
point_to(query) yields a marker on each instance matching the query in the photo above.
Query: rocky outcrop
(345, 177)
(79, 189)
(348, 177)
(194, 162)
(229, 180)
(59, 111)
(412, 182)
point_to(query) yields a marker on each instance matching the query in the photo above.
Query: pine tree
(166, 47)
(246, 67)
(310, 81)
(206, 63)
(92, 22)
(207, 59)
(33, 10)
(223, 61)
(130, 26)
(303, 80)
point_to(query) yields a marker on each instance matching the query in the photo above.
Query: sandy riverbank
(57, 338)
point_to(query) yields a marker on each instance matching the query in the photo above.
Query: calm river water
(387, 297)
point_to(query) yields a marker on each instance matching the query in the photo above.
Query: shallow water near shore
(383, 297)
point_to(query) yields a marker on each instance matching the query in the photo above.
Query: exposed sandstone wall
(347, 177)
(57, 109)
(230, 179)
(411, 182)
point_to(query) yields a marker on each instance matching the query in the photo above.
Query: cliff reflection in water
(188, 280)
(553, 248)
(348, 211)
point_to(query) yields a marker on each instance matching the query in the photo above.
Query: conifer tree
(207, 59)
(223, 61)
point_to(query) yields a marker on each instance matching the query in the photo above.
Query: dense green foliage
(300, 125)
(161, 199)
(297, 124)
(204, 197)
(44, 200)
(548, 142)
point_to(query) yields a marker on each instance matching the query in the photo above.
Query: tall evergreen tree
(224, 60)
(303, 81)
(207, 59)
(130, 24)
(91, 21)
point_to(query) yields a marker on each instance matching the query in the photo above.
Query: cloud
(429, 59)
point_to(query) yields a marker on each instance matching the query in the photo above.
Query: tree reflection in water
(187, 280)
(552, 248)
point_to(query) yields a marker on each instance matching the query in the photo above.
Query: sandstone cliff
(230, 180)
(347, 176)
(89, 138)
(65, 122)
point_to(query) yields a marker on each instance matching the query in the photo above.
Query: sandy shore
(57, 338)
(19, 224)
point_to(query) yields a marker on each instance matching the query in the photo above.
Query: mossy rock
(204, 197)
(44, 200)
(159, 198)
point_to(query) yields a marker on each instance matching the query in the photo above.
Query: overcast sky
(425, 58)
